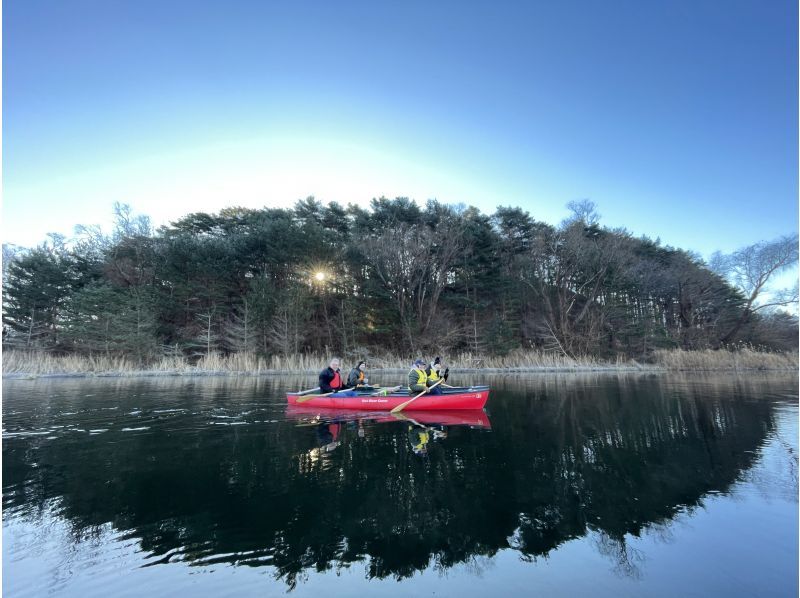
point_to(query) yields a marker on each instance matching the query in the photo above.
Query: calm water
(639, 485)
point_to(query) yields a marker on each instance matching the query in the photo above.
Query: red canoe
(475, 418)
(470, 398)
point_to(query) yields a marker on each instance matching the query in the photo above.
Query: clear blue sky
(679, 119)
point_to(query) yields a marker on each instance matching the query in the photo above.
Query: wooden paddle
(404, 417)
(402, 406)
(304, 399)
(305, 392)
(436, 433)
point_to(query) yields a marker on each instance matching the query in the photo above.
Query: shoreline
(200, 373)
(29, 365)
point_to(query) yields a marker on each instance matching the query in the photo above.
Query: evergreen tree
(397, 278)
(37, 286)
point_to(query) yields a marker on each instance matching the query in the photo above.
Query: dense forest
(392, 278)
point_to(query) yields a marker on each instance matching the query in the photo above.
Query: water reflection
(331, 426)
(420, 436)
(218, 471)
(423, 426)
(327, 435)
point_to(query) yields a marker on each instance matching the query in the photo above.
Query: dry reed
(22, 363)
(740, 359)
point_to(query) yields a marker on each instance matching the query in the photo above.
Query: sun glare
(320, 276)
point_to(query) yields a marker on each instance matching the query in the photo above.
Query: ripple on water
(26, 433)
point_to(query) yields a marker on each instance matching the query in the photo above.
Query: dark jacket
(325, 379)
(353, 378)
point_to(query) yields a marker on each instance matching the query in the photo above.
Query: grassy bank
(18, 363)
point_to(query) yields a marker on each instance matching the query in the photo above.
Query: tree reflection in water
(566, 456)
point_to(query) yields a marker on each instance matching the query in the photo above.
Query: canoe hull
(475, 399)
(475, 418)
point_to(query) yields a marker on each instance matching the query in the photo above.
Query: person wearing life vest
(434, 374)
(357, 375)
(330, 379)
(418, 380)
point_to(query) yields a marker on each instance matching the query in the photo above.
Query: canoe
(473, 397)
(475, 418)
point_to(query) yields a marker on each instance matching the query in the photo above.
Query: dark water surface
(603, 485)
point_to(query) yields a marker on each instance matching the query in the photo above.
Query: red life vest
(336, 382)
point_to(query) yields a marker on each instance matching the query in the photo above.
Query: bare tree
(289, 329)
(751, 268)
(286, 332)
(239, 332)
(207, 337)
(583, 211)
(412, 264)
(571, 271)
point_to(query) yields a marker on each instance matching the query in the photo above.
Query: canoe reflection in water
(473, 418)
(423, 426)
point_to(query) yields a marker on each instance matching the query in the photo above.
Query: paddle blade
(401, 406)
(304, 399)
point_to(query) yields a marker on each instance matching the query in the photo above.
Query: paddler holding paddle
(418, 380)
(434, 374)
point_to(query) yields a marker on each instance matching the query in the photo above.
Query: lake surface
(603, 485)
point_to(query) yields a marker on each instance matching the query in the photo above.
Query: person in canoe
(434, 374)
(357, 377)
(418, 380)
(330, 379)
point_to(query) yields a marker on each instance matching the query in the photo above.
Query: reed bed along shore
(32, 364)
(740, 359)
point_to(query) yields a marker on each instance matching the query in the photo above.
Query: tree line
(396, 278)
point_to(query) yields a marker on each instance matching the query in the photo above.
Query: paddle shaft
(403, 416)
(402, 406)
(304, 399)
(305, 392)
